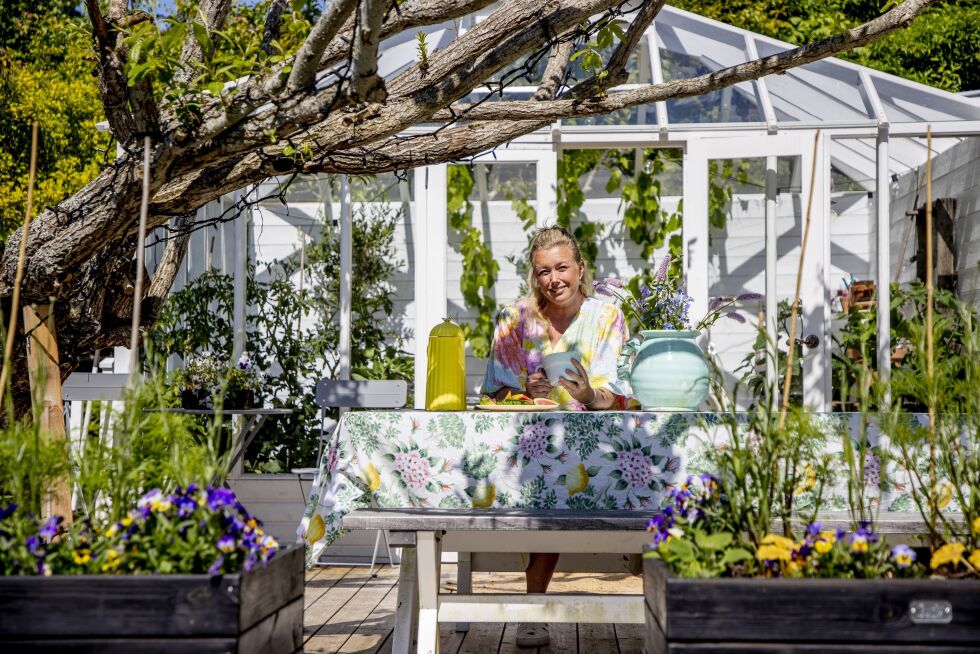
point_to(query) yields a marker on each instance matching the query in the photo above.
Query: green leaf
(712, 542)
(734, 555)
(681, 549)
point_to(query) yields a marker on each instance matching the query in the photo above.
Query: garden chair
(344, 394)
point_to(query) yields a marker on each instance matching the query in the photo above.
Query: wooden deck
(348, 611)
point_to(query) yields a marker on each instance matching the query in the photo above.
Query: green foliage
(589, 56)
(706, 556)
(949, 393)
(295, 354)
(149, 448)
(480, 269)
(46, 74)
(573, 165)
(767, 470)
(29, 463)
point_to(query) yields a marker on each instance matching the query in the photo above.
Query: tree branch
(273, 23)
(307, 59)
(894, 19)
(169, 265)
(614, 73)
(509, 33)
(554, 72)
(367, 86)
(251, 94)
(112, 83)
(211, 14)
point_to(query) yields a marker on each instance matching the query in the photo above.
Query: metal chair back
(370, 394)
(87, 386)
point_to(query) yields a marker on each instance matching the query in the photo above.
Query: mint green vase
(666, 369)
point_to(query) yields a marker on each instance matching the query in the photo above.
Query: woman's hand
(537, 385)
(577, 384)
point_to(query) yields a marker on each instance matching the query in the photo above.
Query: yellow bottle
(445, 381)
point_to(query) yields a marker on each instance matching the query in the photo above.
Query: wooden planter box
(259, 611)
(808, 615)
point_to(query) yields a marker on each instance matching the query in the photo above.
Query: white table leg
(406, 613)
(464, 581)
(428, 545)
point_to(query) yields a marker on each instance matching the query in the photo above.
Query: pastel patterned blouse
(597, 332)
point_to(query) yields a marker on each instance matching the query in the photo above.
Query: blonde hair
(545, 239)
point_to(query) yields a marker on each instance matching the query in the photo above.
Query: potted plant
(152, 557)
(740, 556)
(662, 361)
(205, 378)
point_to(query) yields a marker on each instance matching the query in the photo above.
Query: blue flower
(51, 527)
(903, 555)
(220, 497)
(226, 544)
(34, 546)
(215, 569)
(6, 512)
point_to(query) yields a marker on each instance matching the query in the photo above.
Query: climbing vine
(647, 223)
(480, 269)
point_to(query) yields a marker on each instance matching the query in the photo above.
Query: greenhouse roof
(830, 94)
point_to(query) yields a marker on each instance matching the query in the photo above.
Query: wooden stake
(8, 349)
(788, 377)
(43, 368)
(140, 259)
(930, 347)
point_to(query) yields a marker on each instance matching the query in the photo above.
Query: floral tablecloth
(548, 459)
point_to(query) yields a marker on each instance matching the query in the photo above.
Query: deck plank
(630, 638)
(359, 607)
(321, 583)
(564, 640)
(597, 639)
(374, 629)
(482, 638)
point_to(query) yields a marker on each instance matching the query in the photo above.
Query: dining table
(549, 459)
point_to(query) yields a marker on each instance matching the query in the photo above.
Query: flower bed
(185, 571)
(812, 615)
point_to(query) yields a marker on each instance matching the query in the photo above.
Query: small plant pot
(240, 399)
(195, 398)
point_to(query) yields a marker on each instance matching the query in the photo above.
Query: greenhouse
(735, 166)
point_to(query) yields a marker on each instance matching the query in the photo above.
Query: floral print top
(597, 332)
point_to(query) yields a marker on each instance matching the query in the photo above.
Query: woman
(558, 315)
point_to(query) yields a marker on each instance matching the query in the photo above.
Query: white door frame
(431, 239)
(815, 283)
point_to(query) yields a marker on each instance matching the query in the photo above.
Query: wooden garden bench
(427, 533)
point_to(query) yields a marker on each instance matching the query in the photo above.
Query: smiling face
(558, 274)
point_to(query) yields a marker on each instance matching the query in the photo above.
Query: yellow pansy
(773, 553)
(948, 553)
(775, 548)
(370, 476)
(484, 495)
(779, 541)
(822, 545)
(976, 525)
(82, 556)
(975, 559)
(316, 530)
(113, 559)
(577, 479)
